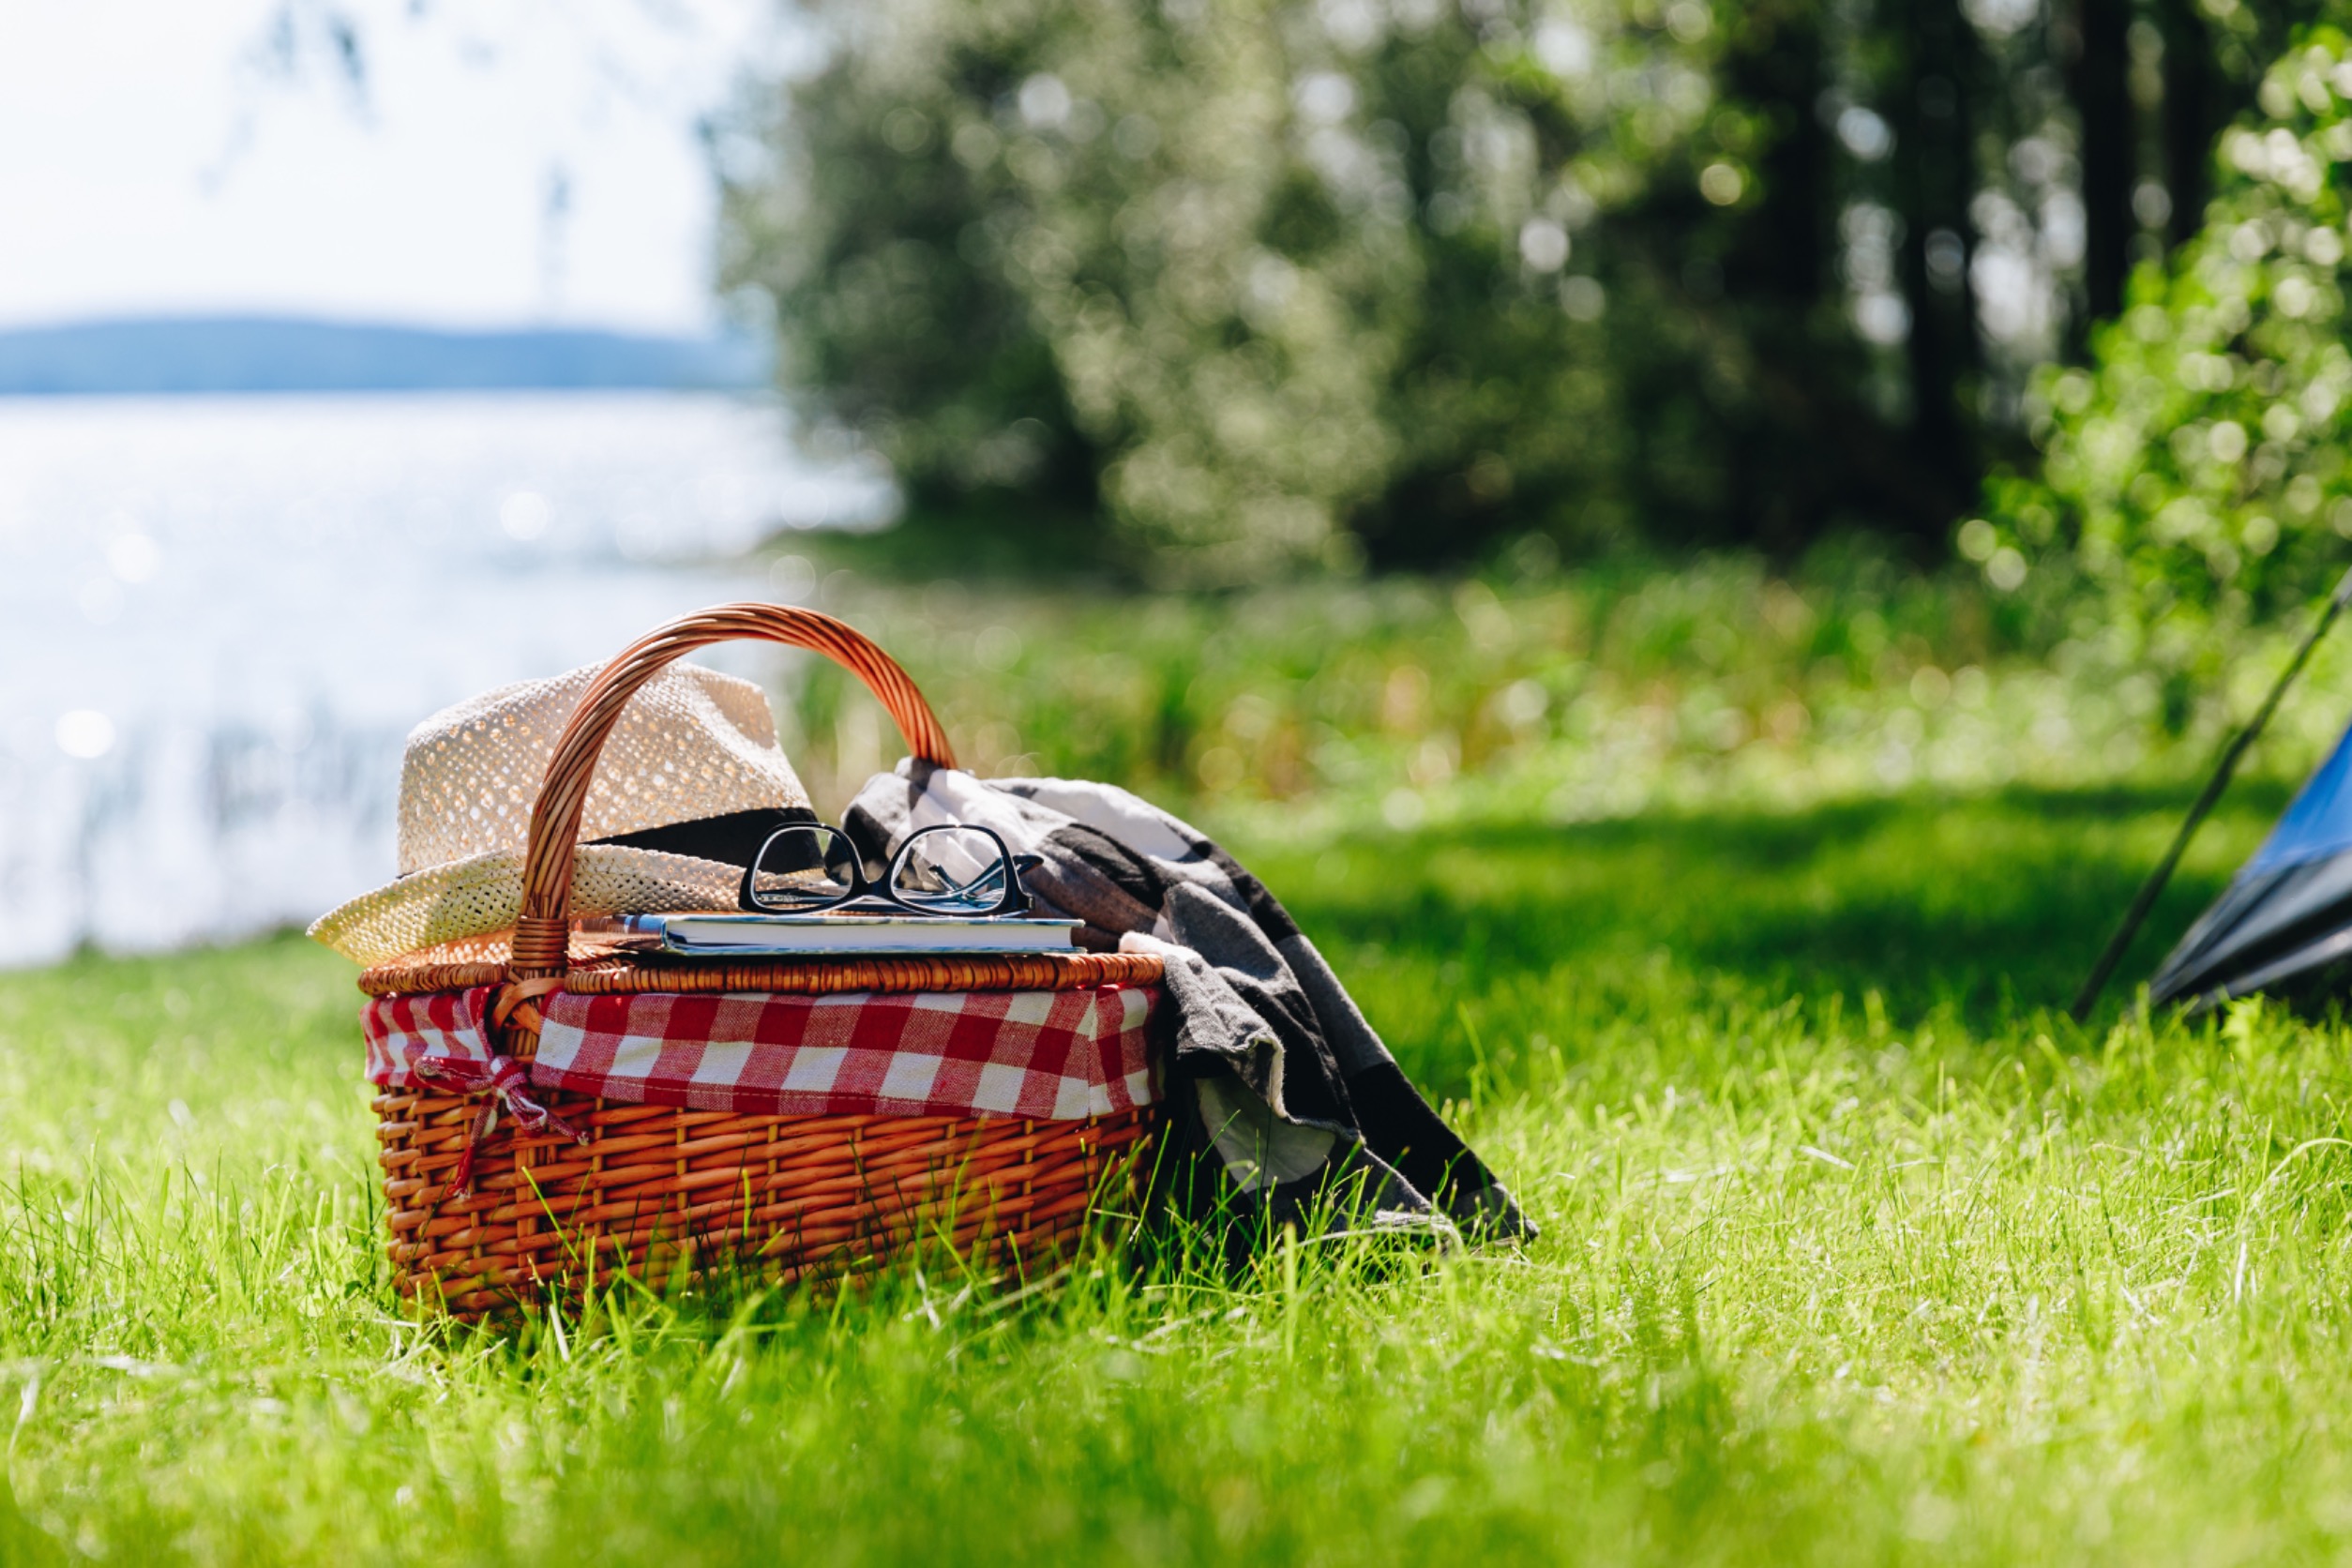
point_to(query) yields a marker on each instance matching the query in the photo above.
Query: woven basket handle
(542, 935)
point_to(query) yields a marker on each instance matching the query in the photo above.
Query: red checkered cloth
(413, 1040)
(1048, 1055)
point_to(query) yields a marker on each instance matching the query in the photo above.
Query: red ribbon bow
(504, 1083)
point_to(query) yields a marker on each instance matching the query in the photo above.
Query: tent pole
(2213, 788)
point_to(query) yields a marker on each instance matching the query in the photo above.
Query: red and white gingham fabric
(1047, 1055)
(412, 1039)
(1051, 1055)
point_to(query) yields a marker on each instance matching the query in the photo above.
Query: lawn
(1853, 1250)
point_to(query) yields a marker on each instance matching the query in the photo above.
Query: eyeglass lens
(805, 867)
(951, 868)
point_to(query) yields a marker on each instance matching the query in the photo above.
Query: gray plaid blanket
(1285, 1106)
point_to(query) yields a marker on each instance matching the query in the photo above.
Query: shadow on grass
(1991, 904)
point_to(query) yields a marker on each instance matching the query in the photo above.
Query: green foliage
(2196, 471)
(1851, 1255)
(1264, 276)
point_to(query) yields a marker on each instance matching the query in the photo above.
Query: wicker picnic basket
(663, 1191)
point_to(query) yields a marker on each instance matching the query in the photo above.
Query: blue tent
(2286, 917)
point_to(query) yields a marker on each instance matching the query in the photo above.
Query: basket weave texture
(661, 1191)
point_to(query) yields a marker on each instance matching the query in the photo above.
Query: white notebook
(846, 935)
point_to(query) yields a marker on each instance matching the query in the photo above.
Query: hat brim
(483, 893)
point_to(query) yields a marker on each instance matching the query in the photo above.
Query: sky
(490, 163)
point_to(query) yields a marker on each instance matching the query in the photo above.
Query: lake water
(222, 615)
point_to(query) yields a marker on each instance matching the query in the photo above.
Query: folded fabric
(1283, 1099)
(1044, 1055)
(413, 1040)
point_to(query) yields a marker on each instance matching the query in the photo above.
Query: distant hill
(260, 354)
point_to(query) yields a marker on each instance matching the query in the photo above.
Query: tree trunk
(1788, 236)
(2100, 81)
(1935, 178)
(1779, 267)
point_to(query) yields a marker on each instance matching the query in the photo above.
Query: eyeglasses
(951, 869)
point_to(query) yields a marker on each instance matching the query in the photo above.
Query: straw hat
(689, 785)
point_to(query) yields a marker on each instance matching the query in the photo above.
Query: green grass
(1853, 1251)
(1328, 707)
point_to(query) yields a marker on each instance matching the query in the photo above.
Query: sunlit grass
(1328, 706)
(1853, 1251)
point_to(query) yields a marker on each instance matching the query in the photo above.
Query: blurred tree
(2212, 54)
(2196, 471)
(1279, 281)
